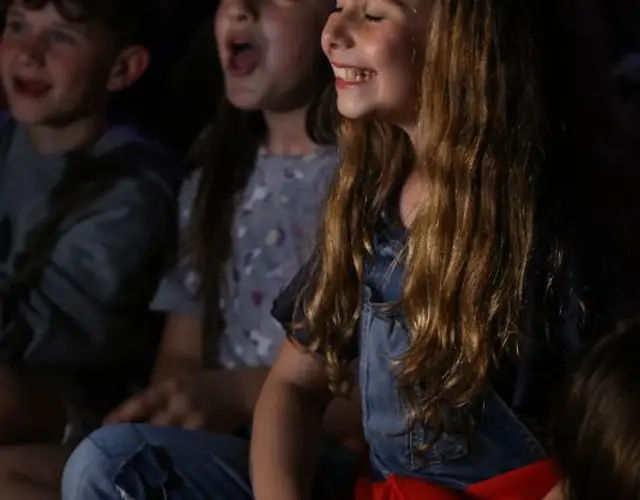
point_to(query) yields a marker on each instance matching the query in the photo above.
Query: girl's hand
(196, 402)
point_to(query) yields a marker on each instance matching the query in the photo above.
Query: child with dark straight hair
(597, 428)
(248, 215)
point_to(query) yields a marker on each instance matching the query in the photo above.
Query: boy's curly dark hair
(132, 22)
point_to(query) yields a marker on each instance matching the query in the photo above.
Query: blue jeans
(144, 462)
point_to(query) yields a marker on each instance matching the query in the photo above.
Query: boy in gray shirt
(86, 217)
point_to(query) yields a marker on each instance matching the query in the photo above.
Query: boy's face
(54, 71)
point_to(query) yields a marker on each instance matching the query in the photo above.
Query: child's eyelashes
(368, 17)
(53, 36)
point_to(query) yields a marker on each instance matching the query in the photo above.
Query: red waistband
(532, 482)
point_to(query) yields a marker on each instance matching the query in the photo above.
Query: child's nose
(32, 51)
(241, 10)
(337, 34)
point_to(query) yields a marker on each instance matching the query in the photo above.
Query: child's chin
(244, 99)
(27, 115)
(27, 119)
(354, 108)
(355, 113)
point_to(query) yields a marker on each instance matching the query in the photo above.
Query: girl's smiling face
(376, 48)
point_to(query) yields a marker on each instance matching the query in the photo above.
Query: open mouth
(31, 87)
(244, 57)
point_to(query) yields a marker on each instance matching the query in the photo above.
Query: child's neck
(287, 133)
(48, 139)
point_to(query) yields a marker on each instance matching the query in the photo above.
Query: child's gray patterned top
(275, 222)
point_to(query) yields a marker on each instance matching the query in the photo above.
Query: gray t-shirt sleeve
(178, 290)
(91, 307)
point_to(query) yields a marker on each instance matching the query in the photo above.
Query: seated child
(248, 215)
(597, 429)
(86, 217)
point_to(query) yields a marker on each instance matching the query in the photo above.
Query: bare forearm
(180, 352)
(285, 443)
(175, 367)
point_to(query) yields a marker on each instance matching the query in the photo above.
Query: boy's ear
(128, 67)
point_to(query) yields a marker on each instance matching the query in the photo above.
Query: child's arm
(287, 428)
(223, 400)
(180, 352)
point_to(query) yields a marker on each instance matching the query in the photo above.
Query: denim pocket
(425, 451)
(395, 448)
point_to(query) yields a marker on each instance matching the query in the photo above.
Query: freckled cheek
(8, 53)
(387, 48)
(392, 58)
(72, 77)
(389, 57)
(5, 58)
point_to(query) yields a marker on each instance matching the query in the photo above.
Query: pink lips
(343, 84)
(31, 87)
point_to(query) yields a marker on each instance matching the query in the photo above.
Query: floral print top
(275, 223)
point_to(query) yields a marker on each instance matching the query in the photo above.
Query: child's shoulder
(125, 174)
(153, 163)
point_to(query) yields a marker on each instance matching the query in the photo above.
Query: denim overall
(143, 462)
(500, 442)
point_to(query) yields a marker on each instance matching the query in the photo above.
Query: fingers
(169, 404)
(182, 420)
(138, 408)
(180, 410)
(195, 421)
(167, 418)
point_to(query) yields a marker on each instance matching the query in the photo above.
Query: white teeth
(353, 74)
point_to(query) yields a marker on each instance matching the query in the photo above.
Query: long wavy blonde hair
(469, 246)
